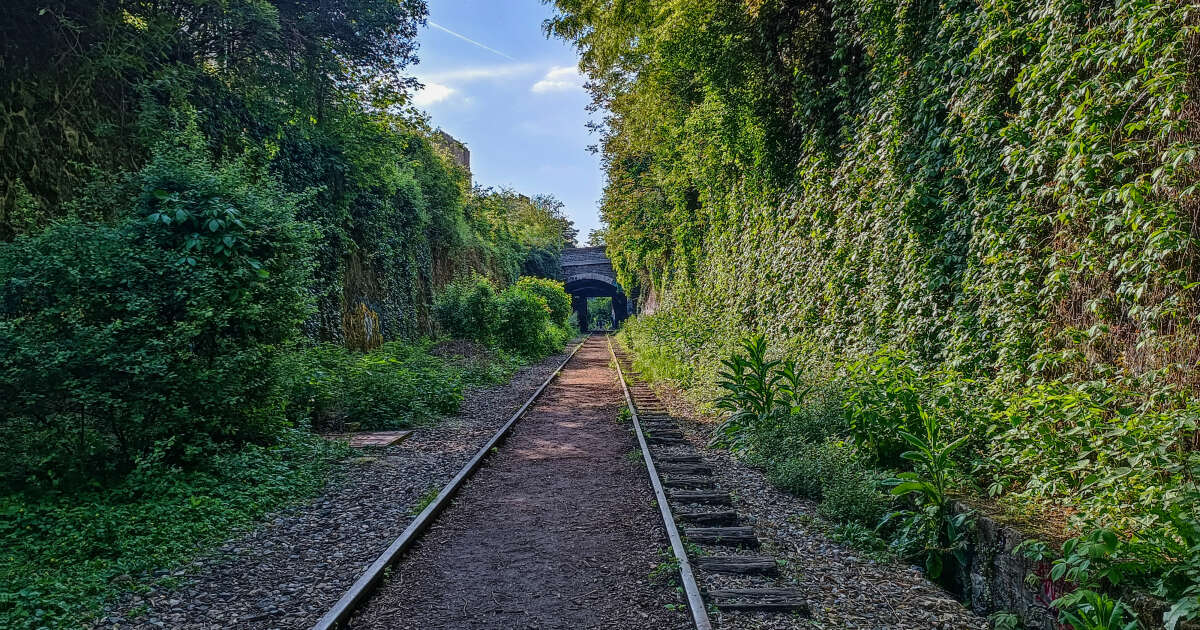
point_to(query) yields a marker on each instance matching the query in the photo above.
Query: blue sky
(513, 97)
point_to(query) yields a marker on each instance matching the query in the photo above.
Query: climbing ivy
(998, 197)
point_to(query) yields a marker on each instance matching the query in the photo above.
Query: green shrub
(386, 388)
(835, 474)
(749, 395)
(524, 322)
(818, 419)
(542, 262)
(812, 467)
(396, 385)
(600, 313)
(557, 336)
(529, 317)
(932, 527)
(553, 293)
(468, 308)
(853, 496)
(163, 326)
(861, 537)
(882, 401)
(801, 474)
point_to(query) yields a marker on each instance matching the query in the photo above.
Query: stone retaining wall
(997, 579)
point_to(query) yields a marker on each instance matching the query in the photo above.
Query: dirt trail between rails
(557, 530)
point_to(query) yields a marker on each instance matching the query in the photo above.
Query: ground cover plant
(67, 553)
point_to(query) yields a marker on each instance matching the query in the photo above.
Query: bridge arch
(588, 273)
(586, 282)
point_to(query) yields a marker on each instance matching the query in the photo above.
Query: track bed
(556, 530)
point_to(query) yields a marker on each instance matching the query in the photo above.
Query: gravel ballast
(844, 587)
(289, 570)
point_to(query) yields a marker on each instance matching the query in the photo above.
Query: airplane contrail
(468, 39)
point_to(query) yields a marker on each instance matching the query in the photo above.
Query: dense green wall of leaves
(305, 201)
(314, 94)
(1002, 191)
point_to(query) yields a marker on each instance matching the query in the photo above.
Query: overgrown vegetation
(600, 313)
(161, 325)
(222, 226)
(884, 452)
(66, 554)
(984, 210)
(529, 317)
(397, 385)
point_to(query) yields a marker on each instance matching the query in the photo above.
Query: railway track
(697, 514)
(709, 540)
(361, 590)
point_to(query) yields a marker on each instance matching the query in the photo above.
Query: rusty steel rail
(690, 588)
(362, 588)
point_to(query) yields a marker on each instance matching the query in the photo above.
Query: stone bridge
(588, 273)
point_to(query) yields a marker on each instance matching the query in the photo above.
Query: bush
(542, 262)
(529, 317)
(853, 496)
(600, 313)
(861, 537)
(396, 385)
(813, 467)
(163, 326)
(467, 308)
(818, 419)
(553, 293)
(524, 322)
(834, 473)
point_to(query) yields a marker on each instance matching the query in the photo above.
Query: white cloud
(478, 73)
(432, 93)
(558, 79)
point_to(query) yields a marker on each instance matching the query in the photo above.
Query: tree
(598, 237)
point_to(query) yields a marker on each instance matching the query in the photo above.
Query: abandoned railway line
(556, 515)
(557, 529)
(521, 517)
(557, 523)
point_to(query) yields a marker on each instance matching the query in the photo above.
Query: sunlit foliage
(988, 207)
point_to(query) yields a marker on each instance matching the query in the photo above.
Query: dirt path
(556, 531)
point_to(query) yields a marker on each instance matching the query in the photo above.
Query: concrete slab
(375, 438)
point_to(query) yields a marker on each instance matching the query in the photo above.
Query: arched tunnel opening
(590, 286)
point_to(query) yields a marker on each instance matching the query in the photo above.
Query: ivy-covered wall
(998, 192)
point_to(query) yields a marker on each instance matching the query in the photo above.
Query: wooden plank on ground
(763, 599)
(744, 565)
(733, 536)
(374, 438)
